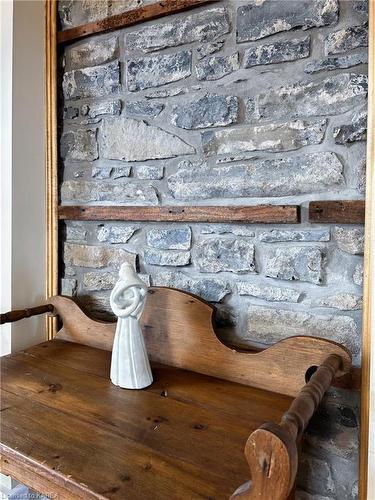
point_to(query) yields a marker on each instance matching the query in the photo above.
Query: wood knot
(199, 427)
(54, 388)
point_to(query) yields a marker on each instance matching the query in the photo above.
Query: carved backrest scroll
(179, 331)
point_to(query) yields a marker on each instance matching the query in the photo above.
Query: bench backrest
(179, 331)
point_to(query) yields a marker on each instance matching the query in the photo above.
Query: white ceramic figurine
(130, 367)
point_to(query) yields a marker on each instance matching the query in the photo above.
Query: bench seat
(183, 437)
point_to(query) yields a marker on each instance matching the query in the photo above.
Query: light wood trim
(51, 158)
(259, 214)
(134, 16)
(179, 331)
(368, 322)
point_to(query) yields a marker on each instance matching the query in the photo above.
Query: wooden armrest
(272, 450)
(16, 315)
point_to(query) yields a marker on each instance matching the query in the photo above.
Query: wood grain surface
(340, 211)
(262, 214)
(179, 331)
(67, 426)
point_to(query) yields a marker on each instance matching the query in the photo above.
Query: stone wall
(238, 102)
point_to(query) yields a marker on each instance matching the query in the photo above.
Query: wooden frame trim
(337, 211)
(143, 14)
(51, 206)
(259, 214)
(365, 487)
(51, 178)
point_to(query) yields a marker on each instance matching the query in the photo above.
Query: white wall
(22, 169)
(6, 56)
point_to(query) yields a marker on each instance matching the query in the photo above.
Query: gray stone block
(205, 26)
(128, 193)
(210, 289)
(151, 172)
(154, 71)
(304, 495)
(156, 257)
(269, 293)
(245, 155)
(75, 232)
(91, 82)
(68, 287)
(360, 6)
(230, 254)
(112, 233)
(70, 112)
(277, 235)
(209, 48)
(358, 274)
(346, 39)
(285, 136)
(170, 239)
(119, 172)
(64, 10)
(360, 177)
(117, 141)
(216, 67)
(79, 145)
(97, 109)
(238, 230)
(315, 475)
(208, 111)
(295, 264)
(96, 256)
(163, 93)
(120, 6)
(343, 301)
(69, 271)
(142, 109)
(333, 95)
(334, 431)
(308, 173)
(267, 326)
(101, 172)
(260, 19)
(337, 62)
(74, 13)
(99, 281)
(277, 52)
(92, 53)
(350, 240)
(354, 131)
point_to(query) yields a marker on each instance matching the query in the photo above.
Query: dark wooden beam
(260, 214)
(337, 211)
(129, 18)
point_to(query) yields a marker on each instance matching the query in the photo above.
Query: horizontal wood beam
(129, 18)
(260, 214)
(337, 211)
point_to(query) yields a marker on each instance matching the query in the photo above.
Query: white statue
(130, 367)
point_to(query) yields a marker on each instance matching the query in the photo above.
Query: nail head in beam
(260, 214)
(337, 211)
(128, 18)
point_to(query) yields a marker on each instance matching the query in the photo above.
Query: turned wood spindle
(303, 407)
(12, 316)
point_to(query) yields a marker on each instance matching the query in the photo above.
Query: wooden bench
(66, 431)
